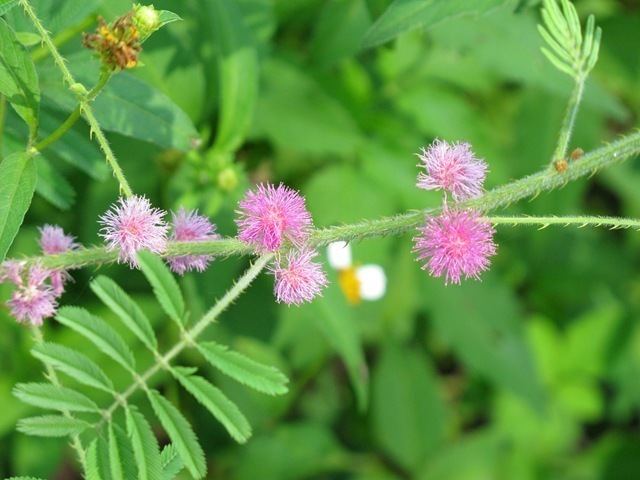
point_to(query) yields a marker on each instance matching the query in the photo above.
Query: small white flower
(363, 282)
(373, 282)
(339, 254)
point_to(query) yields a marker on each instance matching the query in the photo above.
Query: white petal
(339, 254)
(373, 282)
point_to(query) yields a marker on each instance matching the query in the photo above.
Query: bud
(146, 19)
(227, 179)
(79, 90)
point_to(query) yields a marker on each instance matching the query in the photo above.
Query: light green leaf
(126, 309)
(18, 174)
(260, 377)
(164, 285)
(6, 5)
(180, 433)
(98, 462)
(407, 15)
(121, 458)
(52, 186)
(99, 333)
(52, 426)
(237, 74)
(145, 445)
(171, 462)
(217, 403)
(75, 364)
(53, 397)
(18, 78)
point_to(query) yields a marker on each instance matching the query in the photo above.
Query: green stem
(85, 105)
(569, 119)
(190, 336)
(42, 52)
(76, 443)
(613, 223)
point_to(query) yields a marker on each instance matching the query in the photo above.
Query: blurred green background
(533, 373)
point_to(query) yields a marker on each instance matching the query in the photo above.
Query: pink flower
(269, 215)
(300, 280)
(33, 300)
(456, 244)
(133, 225)
(452, 167)
(188, 226)
(53, 241)
(11, 271)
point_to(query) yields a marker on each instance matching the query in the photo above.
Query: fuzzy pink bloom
(33, 300)
(133, 225)
(300, 279)
(452, 167)
(53, 241)
(189, 226)
(11, 271)
(269, 215)
(456, 244)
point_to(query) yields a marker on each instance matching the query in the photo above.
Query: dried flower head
(452, 167)
(33, 299)
(118, 44)
(456, 244)
(269, 215)
(189, 226)
(298, 278)
(132, 225)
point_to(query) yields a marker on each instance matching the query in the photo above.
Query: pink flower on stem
(189, 226)
(133, 225)
(456, 244)
(269, 215)
(454, 168)
(33, 300)
(299, 279)
(11, 271)
(54, 241)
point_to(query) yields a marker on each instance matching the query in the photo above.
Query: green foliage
(171, 462)
(53, 397)
(52, 426)
(164, 286)
(145, 445)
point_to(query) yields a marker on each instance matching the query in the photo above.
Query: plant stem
(76, 443)
(85, 105)
(613, 223)
(189, 336)
(569, 120)
(42, 52)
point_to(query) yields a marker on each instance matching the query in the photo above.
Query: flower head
(33, 300)
(299, 279)
(133, 225)
(452, 167)
(456, 244)
(189, 226)
(270, 214)
(11, 271)
(53, 240)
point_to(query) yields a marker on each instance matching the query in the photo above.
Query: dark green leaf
(52, 186)
(53, 397)
(164, 285)
(52, 426)
(18, 174)
(171, 462)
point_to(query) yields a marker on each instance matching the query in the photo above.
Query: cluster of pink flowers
(457, 243)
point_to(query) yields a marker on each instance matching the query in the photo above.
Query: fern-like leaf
(181, 434)
(74, 364)
(52, 426)
(217, 403)
(98, 332)
(145, 445)
(260, 377)
(164, 285)
(172, 464)
(126, 309)
(54, 397)
(97, 460)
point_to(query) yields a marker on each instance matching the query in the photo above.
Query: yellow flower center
(350, 285)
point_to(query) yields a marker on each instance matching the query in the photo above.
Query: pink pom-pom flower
(189, 226)
(133, 225)
(298, 278)
(269, 215)
(33, 300)
(452, 167)
(456, 244)
(54, 241)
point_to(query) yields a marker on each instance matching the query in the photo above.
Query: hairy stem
(59, 40)
(613, 223)
(189, 336)
(569, 120)
(84, 103)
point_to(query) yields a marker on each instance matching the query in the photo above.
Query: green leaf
(97, 458)
(164, 285)
(18, 174)
(260, 377)
(75, 364)
(18, 78)
(145, 445)
(52, 186)
(121, 458)
(217, 403)
(237, 74)
(53, 397)
(52, 426)
(171, 462)
(6, 5)
(24, 478)
(165, 17)
(126, 309)
(180, 433)
(407, 15)
(99, 333)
